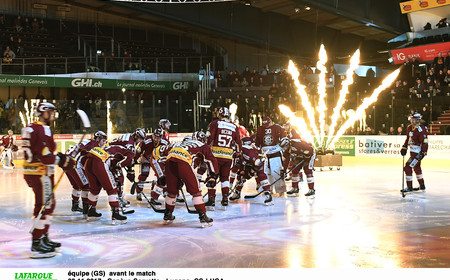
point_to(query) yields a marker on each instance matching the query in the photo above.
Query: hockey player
(269, 137)
(130, 138)
(6, 150)
(417, 140)
(98, 168)
(179, 170)
(222, 137)
(292, 133)
(295, 152)
(144, 152)
(133, 139)
(165, 124)
(76, 175)
(247, 165)
(39, 147)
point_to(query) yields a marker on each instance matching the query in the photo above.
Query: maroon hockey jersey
(7, 141)
(269, 136)
(417, 138)
(81, 149)
(222, 136)
(39, 147)
(299, 150)
(188, 150)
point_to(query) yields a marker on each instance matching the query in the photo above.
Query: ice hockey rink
(357, 219)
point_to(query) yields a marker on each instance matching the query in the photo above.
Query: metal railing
(66, 65)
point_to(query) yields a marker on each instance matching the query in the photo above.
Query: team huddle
(218, 155)
(221, 154)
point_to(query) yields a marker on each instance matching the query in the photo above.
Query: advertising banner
(345, 146)
(419, 5)
(389, 146)
(421, 53)
(68, 82)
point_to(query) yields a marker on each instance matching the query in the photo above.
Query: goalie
(6, 150)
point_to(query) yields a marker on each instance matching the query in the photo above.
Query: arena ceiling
(374, 23)
(309, 11)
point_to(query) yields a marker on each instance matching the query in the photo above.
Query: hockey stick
(151, 205)
(255, 195)
(403, 178)
(86, 124)
(135, 184)
(185, 202)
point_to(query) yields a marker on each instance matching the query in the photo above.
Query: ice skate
(85, 210)
(93, 215)
(168, 217)
(293, 192)
(407, 189)
(310, 193)
(420, 188)
(235, 196)
(139, 196)
(268, 198)
(116, 217)
(75, 207)
(224, 202)
(210, 204)
(39, 250)
(205, 221)
(49, 242)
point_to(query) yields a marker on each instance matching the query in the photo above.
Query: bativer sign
(419, 5)
(421, 53)
(65, 82)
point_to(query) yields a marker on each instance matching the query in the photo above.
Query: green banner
(345, 146)
(38, 81)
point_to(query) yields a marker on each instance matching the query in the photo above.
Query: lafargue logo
(86, 83)
(180, 85)
(33, 276)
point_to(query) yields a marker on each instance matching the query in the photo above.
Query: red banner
(421, 53)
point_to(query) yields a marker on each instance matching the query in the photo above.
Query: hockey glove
(65, 162)
(161, 181)
(420, 156)
(403, 151)
(15, 148)
(211, 180)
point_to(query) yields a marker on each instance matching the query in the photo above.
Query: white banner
(389, 146)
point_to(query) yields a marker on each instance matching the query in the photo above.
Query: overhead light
(297, 10)
(307, 8)
(247, 2)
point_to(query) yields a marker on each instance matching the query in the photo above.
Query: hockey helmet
(267, 121)
(284, 143)
(199, 136)
(158, 132)
(44, 107)
(131, 148)
(224, 112)
(100, 135)
(164, 124)
(140, 133)
(287, 125)
(187, 138)
(415, 115)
